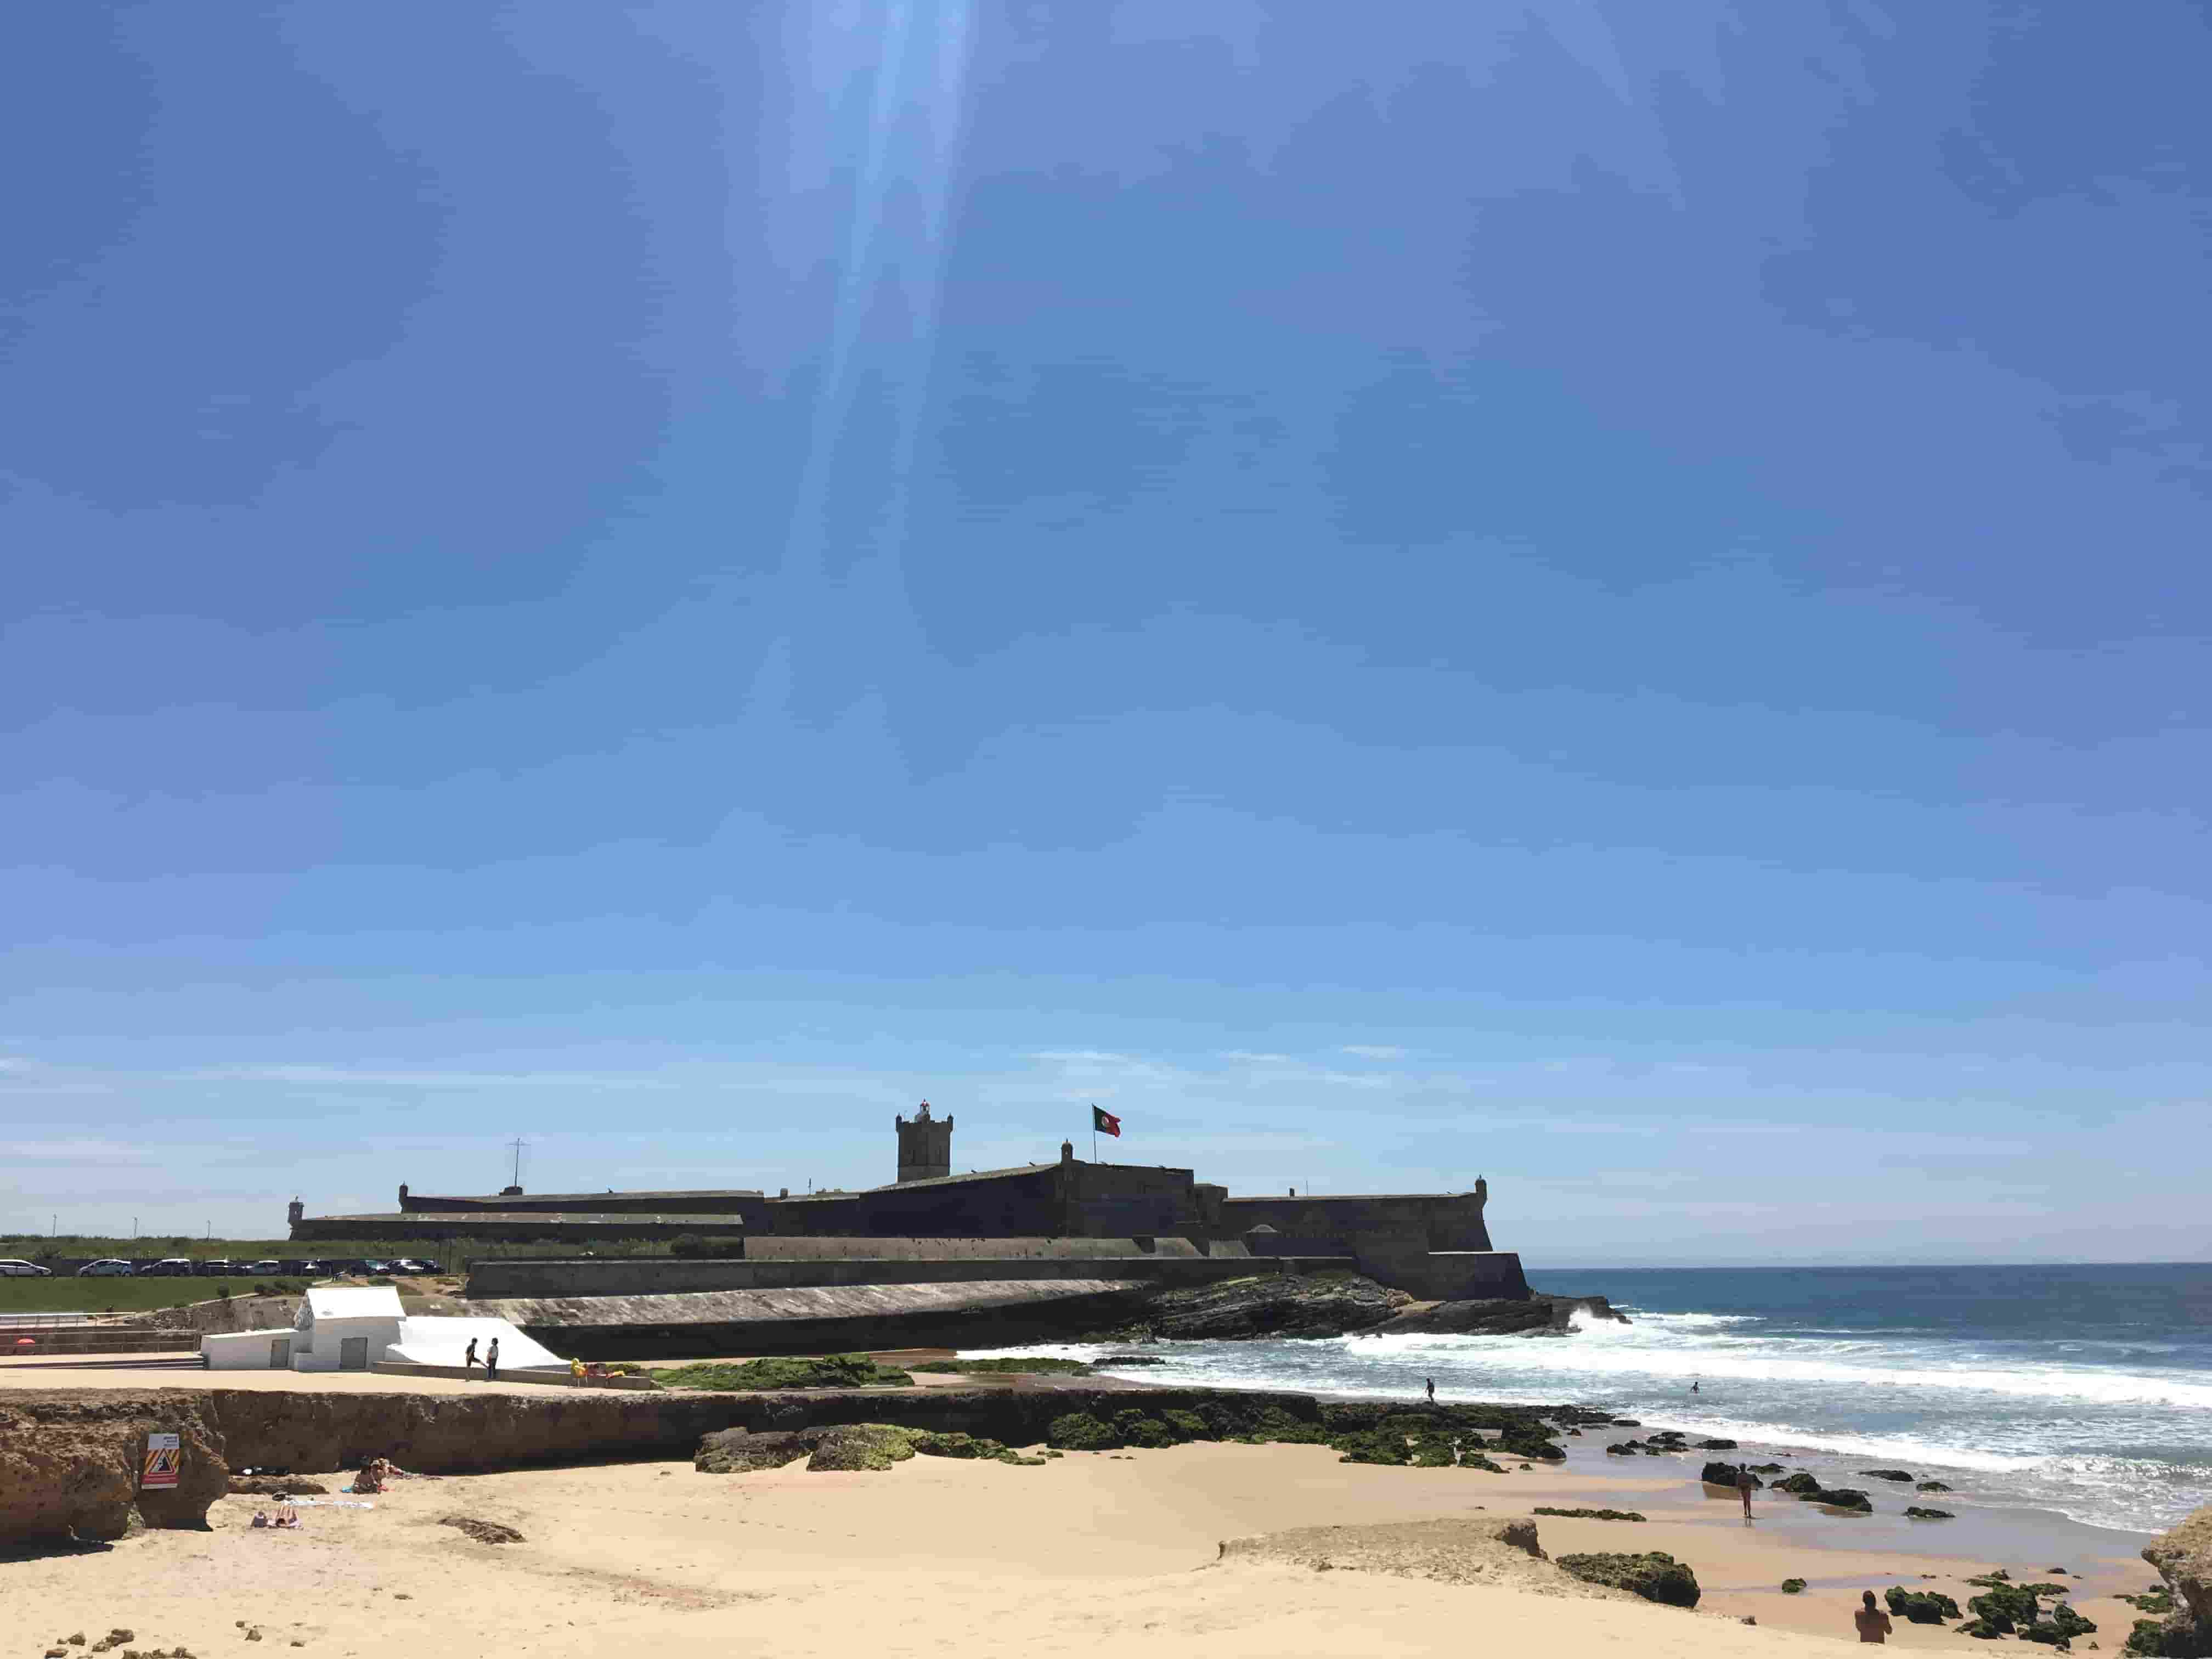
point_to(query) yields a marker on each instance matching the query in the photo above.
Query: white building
(336, 1329)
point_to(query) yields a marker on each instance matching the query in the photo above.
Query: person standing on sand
(1743, 1480)
(1873, 1622)
(491, 1362)
(469, 1360)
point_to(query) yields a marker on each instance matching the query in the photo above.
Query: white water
(2120, 1443)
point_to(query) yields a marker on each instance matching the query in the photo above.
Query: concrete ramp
(815, 1319)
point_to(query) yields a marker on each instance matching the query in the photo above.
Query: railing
(41, 1321)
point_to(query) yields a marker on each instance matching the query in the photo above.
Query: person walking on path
(491, 1362)
(1873, 1622)
(469, 1360)
(1743, 1486)
(1432, 1390)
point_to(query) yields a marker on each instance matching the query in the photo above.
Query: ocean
(2086, 1391)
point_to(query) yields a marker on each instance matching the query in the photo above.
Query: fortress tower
(925, 1147)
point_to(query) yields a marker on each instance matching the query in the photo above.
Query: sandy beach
(1088, 1553)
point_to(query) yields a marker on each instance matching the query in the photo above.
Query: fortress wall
(945, 1249)
(665, 1276)
(435, 1229)
(1020, 1204)
(1444, 1275)
(1117, 1200)
(750, 1205)
(1445, 1221)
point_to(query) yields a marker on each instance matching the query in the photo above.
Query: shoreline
(2014, 1518)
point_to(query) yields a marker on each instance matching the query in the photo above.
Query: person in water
(1693, 1385)
(1873, 1622)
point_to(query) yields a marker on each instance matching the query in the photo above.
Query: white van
(12, 1268)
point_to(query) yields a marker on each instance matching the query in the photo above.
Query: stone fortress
(929, 1243)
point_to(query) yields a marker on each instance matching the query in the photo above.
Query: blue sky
(1605, 595)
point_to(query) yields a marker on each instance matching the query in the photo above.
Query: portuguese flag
(1105, 1123)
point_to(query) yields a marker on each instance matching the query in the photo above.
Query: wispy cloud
(1372, 1051)
(76, 1150)
(346, 1076)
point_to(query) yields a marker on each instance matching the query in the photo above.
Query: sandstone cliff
(2182, 1557)
(69, 1463)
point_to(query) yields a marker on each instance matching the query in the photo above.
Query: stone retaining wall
(669, 1276)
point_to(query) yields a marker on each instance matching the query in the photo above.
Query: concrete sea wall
(818, 1319)
(70, 1461)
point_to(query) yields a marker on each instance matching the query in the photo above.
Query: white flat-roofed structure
(344, 1328)
(249, 1350)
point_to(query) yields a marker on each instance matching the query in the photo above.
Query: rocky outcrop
(1654, 1575)
(1540, 1315)
(69, 1463)
(1346, 1304)
(1269, 1304)
(1726, 1474)
(853, 1446)
(2182, 1557)
(1889, 1474)
(741, 1451)
(1920, 1607)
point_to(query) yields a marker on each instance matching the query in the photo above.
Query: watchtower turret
(925, 1146)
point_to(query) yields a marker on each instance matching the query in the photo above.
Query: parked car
(171, 1267)
(263, 1269)
(106, 1267)
(216, 1268)
(408, 1264)
(301, 1269)
(13, 1268)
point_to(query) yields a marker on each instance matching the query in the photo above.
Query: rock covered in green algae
(1588, 1515)
(1793, 1587)
(2001, 1606)
(836, 1371)
(1888, 1475)
(735, 1451)
(1919, 1512)
(1931, 1486)
(1654, 1575)
(1801, 1483)
(862, 1446)
(1724, 1474)
(1920, 1607)
(1080, 1431)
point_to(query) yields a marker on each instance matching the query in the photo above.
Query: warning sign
(164, 1452)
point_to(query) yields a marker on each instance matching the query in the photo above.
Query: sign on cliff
(164, 1455)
